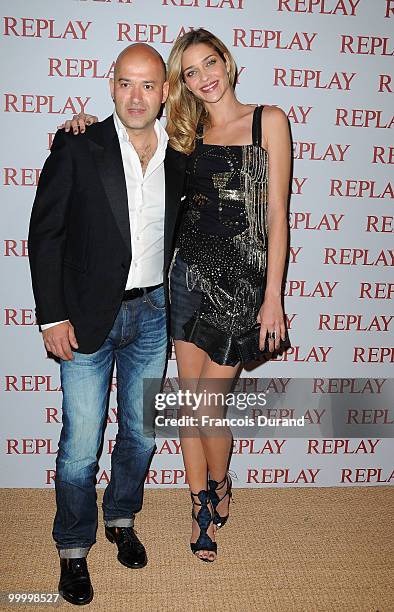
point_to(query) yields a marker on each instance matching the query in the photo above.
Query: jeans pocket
(156, 299)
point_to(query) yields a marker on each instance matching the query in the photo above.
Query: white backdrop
(327, 64)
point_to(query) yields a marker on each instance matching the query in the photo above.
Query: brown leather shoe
(131, 551)
(74, 585)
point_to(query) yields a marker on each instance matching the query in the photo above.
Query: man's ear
(165, 91)
(111, 87)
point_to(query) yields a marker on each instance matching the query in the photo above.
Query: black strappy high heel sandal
(203, 518)
(213, 485)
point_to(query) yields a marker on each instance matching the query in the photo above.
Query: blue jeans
(137, 343)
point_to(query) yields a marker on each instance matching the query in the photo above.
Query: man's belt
(136, 292)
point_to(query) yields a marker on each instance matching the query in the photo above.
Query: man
(100, 238)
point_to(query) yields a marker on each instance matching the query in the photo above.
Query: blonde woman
(225, 274)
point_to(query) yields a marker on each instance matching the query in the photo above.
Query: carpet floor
(283, 550)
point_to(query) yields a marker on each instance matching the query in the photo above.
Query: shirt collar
(162, 136)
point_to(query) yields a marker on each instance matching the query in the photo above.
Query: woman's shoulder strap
(199, 134)
(256, 126)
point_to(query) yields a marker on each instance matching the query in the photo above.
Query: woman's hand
(271, 318)
(78, 123)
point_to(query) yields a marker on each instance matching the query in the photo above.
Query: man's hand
(60, 339)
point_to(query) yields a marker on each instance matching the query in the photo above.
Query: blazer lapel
(106, 150)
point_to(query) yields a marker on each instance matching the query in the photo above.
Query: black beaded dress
(218, 272)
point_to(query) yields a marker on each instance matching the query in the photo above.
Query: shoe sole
(76, 603)
(132, 566)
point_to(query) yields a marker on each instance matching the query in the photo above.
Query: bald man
(101, 234)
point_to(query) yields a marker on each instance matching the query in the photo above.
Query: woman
(225, 274)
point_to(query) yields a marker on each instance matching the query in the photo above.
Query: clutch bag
(248, 345)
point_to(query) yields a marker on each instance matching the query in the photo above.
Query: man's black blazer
(79, 235)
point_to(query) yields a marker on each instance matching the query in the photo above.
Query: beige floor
(283, 550)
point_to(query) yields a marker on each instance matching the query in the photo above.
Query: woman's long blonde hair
(184, 111)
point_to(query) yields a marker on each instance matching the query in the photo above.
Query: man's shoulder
(95, 132)
(101, 127)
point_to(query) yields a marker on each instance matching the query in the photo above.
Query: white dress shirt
(146, 202)
(146, 199)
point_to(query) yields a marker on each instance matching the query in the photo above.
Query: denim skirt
(184, 303)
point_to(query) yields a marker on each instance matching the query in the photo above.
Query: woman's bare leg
(217, 441)
(207, 449)
(190, 361)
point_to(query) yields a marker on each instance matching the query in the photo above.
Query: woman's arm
(278, 144)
